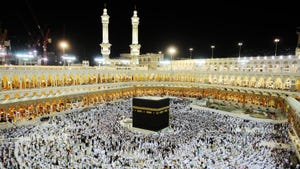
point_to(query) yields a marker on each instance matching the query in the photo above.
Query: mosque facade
(270, 84)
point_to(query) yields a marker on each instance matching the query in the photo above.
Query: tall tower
(105, 45)
(135, 46)
(297, 52)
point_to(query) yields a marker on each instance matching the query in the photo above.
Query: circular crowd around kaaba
(94, 138)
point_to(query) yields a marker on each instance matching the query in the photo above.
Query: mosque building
(263, 83)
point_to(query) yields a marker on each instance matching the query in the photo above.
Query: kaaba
(150, 113)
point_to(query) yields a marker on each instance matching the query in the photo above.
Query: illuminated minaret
(135, 46)
(298, 43)
(105, 45)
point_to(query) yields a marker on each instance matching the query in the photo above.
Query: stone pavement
(128, 124)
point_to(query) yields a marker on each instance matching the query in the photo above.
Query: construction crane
(44, 35)
(38, 41)
(3, 45)
(3, 35)
(46, 40)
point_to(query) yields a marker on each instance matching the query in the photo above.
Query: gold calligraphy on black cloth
(148, 110)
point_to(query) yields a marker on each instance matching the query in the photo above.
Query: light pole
(172, 51)
(276, 41)
(64, 45)
(191, 51)
(212, 51)
(240, 46)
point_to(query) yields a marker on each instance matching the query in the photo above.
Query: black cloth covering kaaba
(150, 114)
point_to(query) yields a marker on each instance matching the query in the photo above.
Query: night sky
(184, 24)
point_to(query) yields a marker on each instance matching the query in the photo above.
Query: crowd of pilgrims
(94, 138)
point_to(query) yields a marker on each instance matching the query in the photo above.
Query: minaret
(297, 52)
(135, 46)
(105, 45)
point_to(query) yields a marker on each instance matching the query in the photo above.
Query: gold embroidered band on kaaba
(150, 109)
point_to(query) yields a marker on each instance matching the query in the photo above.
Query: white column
(20, 82)
(10, 84)
(105, 45)
(135, 46)
(135, 24)
(297, 52)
